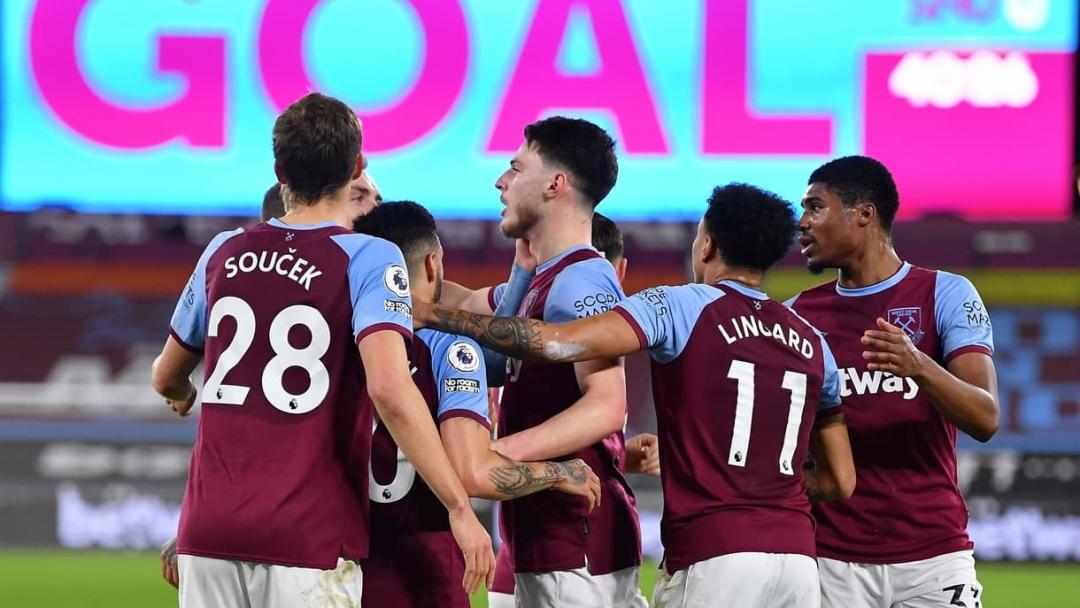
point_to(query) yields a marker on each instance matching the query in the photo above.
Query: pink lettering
(728, 125)
(198, 116)
(618, 86)
(417, 113)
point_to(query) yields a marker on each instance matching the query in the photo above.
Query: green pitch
(48, 579)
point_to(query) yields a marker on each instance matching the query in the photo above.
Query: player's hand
(643, 454)
(183, 407)
(891, 350)
(577, 478)
(169, 569)
(523, 256)
(421, 313)
(475, 545)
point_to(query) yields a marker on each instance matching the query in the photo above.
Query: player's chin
(510, 228)
(815, 267)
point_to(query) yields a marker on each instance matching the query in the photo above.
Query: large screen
(167, 106)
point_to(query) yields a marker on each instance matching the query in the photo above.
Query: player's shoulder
(817, 293)
(587, 269)
(946, 281)
(459, 352)
(355, 244)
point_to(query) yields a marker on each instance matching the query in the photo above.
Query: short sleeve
(830, 390)
(378, 286)
(664, 317)
(963, 323)
(459, 374)
(582, 290)
(188, 323)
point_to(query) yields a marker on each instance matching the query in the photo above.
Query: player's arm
(170, 376)
(456, 295)
(402, 409)
(599, 412)
(604, 336)
(833, 474)
(487, 474)
(965, 389)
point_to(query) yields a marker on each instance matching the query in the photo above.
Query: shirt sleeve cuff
(643, 342)
(459, 413)
(970, 348)
(370, 329)
(188, 347)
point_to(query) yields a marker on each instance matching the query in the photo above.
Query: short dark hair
(606, 238)
(404, 223)
(753, 228)
(857, 179)
(316, 143)
(273, 205)
(580, 147)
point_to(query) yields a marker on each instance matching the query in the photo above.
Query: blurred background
(131, 132)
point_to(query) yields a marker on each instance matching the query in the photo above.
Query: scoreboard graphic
(166, 107)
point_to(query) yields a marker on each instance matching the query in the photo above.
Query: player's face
(828, 232)
(521, 187)
(364, 196)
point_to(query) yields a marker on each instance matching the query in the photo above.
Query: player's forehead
(819, 193)
(527, 154)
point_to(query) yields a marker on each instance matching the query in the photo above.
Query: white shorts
(577, 588)
(762, 580)
(500, 600)
(208, 582)
(944, 581)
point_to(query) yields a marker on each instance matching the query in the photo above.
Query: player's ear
(360, 163)
(559, 182)
(865, 212)
(708, 248)
(279, 173)
(431, 267)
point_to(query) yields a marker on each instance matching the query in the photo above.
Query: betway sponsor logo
(864, 382)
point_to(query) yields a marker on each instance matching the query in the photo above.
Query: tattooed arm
(486, 474)
(604, 336)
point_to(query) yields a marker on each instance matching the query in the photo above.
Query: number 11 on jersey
(743, 373)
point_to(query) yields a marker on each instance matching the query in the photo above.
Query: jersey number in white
(308, 358)
(399, 486)
(743, 373)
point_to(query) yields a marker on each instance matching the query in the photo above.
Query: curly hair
(857, 179)
(753, 228)
(582, 148)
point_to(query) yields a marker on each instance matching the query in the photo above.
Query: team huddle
(806, 449)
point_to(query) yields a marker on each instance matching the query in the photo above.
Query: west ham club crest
(908, 319)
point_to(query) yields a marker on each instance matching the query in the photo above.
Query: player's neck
(749, 278)
(871, 266)
(333, 208)
(555, 234)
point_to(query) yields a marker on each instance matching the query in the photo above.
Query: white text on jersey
(747, 326)
(287, 265)
(874, 382)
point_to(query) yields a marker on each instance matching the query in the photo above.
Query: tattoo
(512, 336)
(574, 470)
(516, 479)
